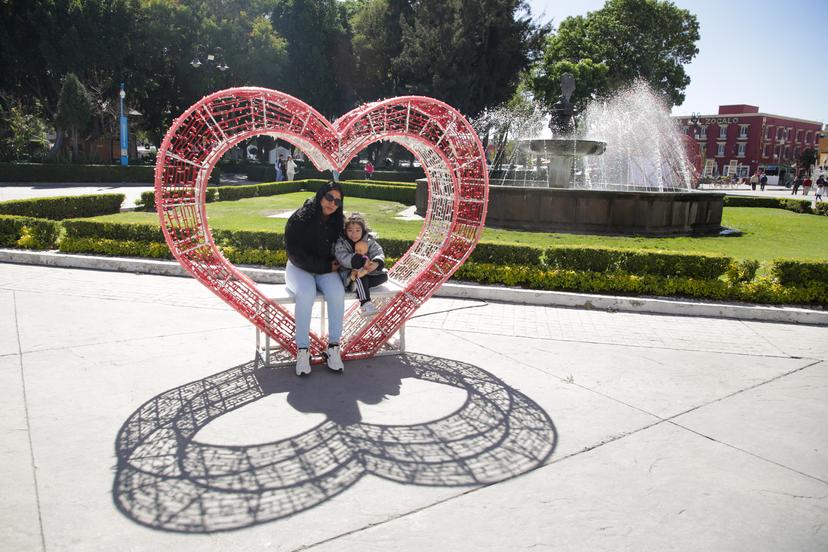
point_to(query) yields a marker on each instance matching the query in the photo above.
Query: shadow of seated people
(193, 460)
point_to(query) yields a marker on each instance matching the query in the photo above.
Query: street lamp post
(124, 131)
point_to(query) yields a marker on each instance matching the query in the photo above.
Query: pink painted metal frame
(439, 137)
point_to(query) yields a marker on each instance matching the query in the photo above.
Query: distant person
(369, 170)
(806, 185)
(763, 180)
(821, 187)
(278, 166)
(754, 180)
(290, 167)
(796, 184)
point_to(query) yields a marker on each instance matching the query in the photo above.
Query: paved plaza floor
(136, 419)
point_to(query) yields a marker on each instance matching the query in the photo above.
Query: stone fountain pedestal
(599, 211)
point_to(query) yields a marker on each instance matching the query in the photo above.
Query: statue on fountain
(562, 120)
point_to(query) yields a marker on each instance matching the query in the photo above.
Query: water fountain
(623, 169)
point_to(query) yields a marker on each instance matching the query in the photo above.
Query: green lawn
(768, 233)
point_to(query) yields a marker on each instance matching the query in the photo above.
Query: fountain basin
(564, 147)
(599, 211)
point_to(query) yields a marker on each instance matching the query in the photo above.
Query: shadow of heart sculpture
(168, 479)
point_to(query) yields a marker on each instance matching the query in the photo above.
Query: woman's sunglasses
(333, 199)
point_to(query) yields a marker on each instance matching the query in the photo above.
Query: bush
(800, 273)
(113, 230)
(791, 204)
(232, 193)
(147, 200)
(668, 265)
(821, 208)
(56, 172)
(742, 271)
(28, 232)
(115, 248)
(760, 291)
(506, 254)
(59, 208)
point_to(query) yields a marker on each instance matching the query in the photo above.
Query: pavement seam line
(654, 346)
(28, 425)
(760, 336)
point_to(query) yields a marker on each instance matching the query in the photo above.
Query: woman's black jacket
(309, 240)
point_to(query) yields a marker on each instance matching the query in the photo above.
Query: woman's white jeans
(303, 285)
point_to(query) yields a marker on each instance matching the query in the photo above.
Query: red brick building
(740, 139)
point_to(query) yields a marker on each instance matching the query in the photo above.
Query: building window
(703, 133)
(780, 132)
(720, 149)
(742, 171)
(787, 152)
(769, 133)
(722, 132)
(685, 129)
(743, 131)
(808, 137)
(789, 134)
(765, 150)
(703, 150)
(796, 153)
(799, 135)
(740, 152)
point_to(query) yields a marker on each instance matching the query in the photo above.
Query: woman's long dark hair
(338, 217)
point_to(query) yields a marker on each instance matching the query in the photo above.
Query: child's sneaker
(334, 359)
(302, 362)
(368, 309)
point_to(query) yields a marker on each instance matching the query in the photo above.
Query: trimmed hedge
(800, 273)
(147, 200)
(63, 172)
(113, 230)
(308, 171)
(28, 232)
(763, 290)
(821, 208)
(657, 263)
(59, 208)
(791, 204)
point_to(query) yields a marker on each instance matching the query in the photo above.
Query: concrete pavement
(136, 419)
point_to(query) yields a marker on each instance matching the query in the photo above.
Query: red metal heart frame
(439, 137)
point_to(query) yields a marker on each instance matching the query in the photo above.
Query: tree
(22, 130)
(624, 41)
(319, 65)
(469, 53)
(807, 159)
(74, 111)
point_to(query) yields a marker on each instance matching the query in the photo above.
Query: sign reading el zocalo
(716, 120)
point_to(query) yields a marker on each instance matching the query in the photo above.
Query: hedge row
(763, 290)
(667, 265)
(400, 192)
(65, 172)
(62, 172)
(28, 232)
(59, 208)
(308, 171)
(788, 203)
(799, 273)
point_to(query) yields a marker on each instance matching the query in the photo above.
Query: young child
(364, 270)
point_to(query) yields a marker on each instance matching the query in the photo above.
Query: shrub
(59, 208)
(243, 239)
(821, 208)
(742, 271)
(28, 232)
(791, 204)
(147, 199)
(232, 193)
(113, 230)
(56, 172)
(115, 248)
(800, 273)
(506, 254)
(627, 261)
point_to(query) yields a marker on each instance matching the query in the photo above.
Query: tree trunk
(74, 144)
(54, 153)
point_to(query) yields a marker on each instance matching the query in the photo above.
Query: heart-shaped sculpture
(439, 137)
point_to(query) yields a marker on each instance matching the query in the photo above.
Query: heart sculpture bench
(439, 137)
(282, 295)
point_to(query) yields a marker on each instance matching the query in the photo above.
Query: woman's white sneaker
(335, 359)
(303, 362)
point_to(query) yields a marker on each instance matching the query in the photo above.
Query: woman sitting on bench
(310, 235)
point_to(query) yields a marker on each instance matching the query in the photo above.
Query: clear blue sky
(769, 53)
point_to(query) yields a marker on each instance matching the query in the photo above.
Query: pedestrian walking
(290, 167)
(754, 180)
(763, 180)
(821, 187)
(806, 185)
(369, 170)
(796, 184)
